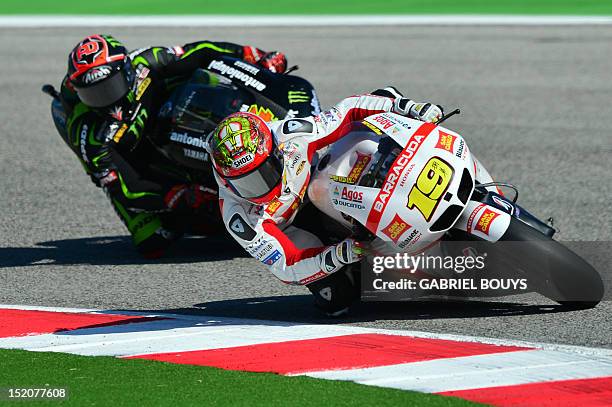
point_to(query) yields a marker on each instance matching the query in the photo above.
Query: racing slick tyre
(558, 273)
(550, 268)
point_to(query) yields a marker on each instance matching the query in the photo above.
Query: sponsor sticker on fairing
(382, 122)
(348, 198)
(360, 164)
(351, 195)
(446, 141)
(297, 96)
(472, 216)
(247, 67)
(372, 127)
(486, 219)
(460, 149)
(396, 228)
(341, 179)
(234, 73)
(413, 237)
(185, 138)
(263, 112)
(394, 174)
(196, 155)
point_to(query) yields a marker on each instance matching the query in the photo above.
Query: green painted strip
(319, 7)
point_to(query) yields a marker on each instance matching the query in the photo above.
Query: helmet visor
(105, 92)
(260, 181)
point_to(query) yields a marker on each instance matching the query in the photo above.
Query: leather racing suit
(107, 141)
(293, 255)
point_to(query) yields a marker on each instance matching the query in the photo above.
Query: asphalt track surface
(536, 110)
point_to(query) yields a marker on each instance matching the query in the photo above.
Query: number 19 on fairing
(431, 184)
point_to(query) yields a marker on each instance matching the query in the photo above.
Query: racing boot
(335, 293)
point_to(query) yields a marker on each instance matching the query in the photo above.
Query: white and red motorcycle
(405, 185)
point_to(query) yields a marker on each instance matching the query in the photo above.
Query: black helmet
(99, 70)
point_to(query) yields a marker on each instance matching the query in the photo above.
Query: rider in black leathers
(109, 101)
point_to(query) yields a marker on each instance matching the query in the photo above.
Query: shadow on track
(285, 311)
(300, 309)
(117, 250)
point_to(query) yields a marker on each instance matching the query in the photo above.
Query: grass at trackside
(250, 7)
(110, 381)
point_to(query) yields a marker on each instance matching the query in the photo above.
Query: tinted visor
(260, 181)
(105, 92)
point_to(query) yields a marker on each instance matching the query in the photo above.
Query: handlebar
(50, 90)
(446, 116)
(291, 69)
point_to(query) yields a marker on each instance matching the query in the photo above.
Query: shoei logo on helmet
(97, 74)
(242, 161)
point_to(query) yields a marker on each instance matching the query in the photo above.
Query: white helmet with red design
(246, 157)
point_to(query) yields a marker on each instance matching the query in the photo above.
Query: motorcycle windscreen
(199, 107)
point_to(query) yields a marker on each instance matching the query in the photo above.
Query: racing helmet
(246, 157)
(99, 70)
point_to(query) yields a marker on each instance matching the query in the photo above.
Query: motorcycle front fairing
(189, 115)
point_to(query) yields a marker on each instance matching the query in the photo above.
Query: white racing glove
(349, 251)
(346, 252)
(424, 111)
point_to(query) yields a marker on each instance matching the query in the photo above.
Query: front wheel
(550, 268)
(554, 270)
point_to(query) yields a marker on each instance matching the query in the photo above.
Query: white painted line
(175, 335)
(473, 372)
(184, 321)
(61, 21)
(182, 333)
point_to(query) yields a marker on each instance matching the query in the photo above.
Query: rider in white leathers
(263, 171)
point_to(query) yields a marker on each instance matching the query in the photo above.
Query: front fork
(488, 213)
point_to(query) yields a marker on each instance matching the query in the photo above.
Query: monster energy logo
(112, 41)
(297, 96)
(139, 121)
